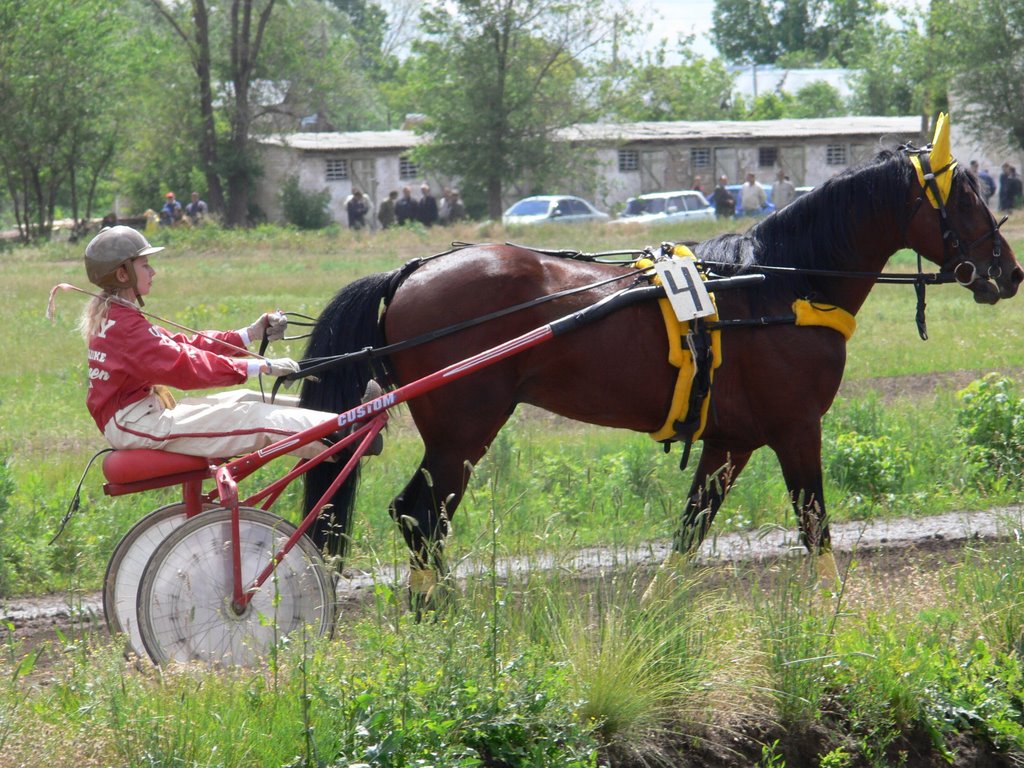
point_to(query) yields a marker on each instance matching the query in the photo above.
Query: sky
(671, 17)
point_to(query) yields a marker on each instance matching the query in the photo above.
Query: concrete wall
(375, 173)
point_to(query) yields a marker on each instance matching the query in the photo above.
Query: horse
(775, 382)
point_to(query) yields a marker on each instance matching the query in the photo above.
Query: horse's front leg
(716, 474)
(800, 458)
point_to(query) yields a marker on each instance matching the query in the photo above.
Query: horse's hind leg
(800, 459)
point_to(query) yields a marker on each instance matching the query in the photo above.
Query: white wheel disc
(185, 596)
(124, 571)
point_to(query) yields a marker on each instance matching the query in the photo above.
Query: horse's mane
(824, 228)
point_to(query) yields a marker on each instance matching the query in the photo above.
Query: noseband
(957, 262)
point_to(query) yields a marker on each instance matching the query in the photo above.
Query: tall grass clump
(642, 674)
(798, 622)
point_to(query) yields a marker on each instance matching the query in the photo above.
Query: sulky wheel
(185, 596)
(124, 571)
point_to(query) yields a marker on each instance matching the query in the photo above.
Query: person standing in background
(783, 192)
(405, 208)
(427, 207)
(386, 211)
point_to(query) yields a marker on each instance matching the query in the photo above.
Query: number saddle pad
(682, 414)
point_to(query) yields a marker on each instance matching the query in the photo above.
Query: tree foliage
(62, 67)
(497, 79)
(698, 88)
(986, 57)
(760, 31)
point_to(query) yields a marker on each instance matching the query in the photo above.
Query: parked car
(663, 207)
(542, 209)
(736, 190)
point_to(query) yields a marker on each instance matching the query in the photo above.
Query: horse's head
(951, 225)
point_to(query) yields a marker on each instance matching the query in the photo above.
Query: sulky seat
(142, 469)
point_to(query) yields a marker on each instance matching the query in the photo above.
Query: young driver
(132, 361)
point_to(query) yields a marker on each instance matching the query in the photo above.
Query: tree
(905, 69)
(246, 23)
(497, 79)
(696, 89)
(61, 69)
(760, 31)
(988, 69)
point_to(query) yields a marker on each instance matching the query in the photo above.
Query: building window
(767, 156)
(629, 160)
(700, 158)
(407, 169)
(337, 169)
(835, 154)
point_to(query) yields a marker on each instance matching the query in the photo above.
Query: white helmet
(112, 248)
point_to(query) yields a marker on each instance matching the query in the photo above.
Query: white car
(664, 207)
(543, 209)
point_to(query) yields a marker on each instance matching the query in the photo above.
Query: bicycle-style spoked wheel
(124, 571)
(185, 596)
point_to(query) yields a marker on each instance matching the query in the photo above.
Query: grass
(558, 667)
(625, 491)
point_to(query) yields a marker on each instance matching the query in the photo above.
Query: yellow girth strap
(826, 315)
(681, 358)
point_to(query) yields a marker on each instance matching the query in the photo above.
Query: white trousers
(220, 425)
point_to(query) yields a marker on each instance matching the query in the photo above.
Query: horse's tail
(349, 323)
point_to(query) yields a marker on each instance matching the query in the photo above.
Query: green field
(736, 668)
(576, 484)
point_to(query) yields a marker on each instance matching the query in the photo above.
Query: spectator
(722, 199)
(1016, 189)
(1006, 201)
(356, 208)
(406, 208)
(456, 210)
(427, 207)
(196, 210)
(110, 220)
(171, 213)
(386, 211)
(752, 196)
(442, 206)
(698, 184)
(987, 183)
(784, 192)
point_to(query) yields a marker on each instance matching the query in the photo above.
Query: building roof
(352, 140)
(889, 130)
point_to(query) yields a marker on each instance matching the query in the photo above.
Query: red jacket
(129, 355)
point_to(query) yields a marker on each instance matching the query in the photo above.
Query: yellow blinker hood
(940, 158)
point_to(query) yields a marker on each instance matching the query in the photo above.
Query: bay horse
(774, 384)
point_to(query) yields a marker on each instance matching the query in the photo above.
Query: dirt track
(884, 547)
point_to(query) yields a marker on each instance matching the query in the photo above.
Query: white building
(632, 158)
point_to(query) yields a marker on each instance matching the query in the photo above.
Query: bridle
(957, 261)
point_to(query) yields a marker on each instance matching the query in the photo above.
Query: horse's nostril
(1017, 277)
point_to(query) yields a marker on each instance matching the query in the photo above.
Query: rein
(369, 353)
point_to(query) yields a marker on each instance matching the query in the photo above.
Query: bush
(990, 424)
(306, 210)
(872, 466)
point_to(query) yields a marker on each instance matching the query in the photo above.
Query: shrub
(872, 466)
(306, 210)
(990, 424)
